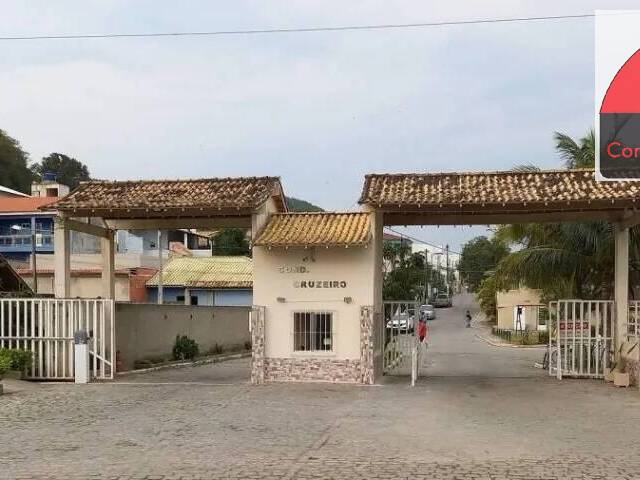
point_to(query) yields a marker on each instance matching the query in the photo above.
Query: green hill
(297, 205)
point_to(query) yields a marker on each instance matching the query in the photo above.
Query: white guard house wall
(287, 281)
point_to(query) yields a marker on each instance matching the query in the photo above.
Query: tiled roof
(156, 197)
(459, 190)
(206, 272)
(316, 229)
(11, 192)
(25, 204)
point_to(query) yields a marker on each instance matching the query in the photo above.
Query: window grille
(312, 331)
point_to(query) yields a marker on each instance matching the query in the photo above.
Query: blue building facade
(16, 234)
(212, 297)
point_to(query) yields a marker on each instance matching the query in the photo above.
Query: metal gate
(45, 327)
(581, 338)
(399, 322)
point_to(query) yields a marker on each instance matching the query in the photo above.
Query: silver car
(427, 312)
(442, 300)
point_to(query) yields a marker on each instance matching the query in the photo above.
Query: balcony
(21, 243)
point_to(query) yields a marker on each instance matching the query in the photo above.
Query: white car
(402, 322)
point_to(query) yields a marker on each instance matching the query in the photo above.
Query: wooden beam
(177, 223)
(393, 218)
(87, 228)
(630, 220)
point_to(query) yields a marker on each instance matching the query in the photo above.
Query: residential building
(86, 282)
(11, 193)
(219, 281)
(49, 187)
(522, 302)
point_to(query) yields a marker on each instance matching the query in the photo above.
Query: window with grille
(312, 331)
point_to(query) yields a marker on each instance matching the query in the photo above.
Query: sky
(319, 109)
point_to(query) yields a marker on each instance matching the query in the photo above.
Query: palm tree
(580, 154)
(565, 259)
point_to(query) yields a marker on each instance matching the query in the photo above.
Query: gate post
(62, 258)
(256, 319)
(367, 336)
(621, 287)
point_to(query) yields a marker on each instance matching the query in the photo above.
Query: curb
(505, 345)
(203, 361)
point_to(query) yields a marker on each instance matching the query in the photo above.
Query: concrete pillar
(187, 296)
(377, 244)
(160, 268)
(108, 266)
(62, 259)
(621, 286)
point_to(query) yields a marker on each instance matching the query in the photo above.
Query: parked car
(427, 312)
(442, 300)
(402, 322)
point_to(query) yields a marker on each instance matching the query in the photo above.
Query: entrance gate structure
(581, 338)
(513, 197)
(399, 324)
(100, 208)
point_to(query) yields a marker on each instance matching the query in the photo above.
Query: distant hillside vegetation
(297, 205)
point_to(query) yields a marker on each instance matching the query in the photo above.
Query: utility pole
(426, 276)
(447, 277)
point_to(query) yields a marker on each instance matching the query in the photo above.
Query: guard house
(312, 278)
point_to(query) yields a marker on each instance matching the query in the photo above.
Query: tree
(580, 154)
(69, 171)
(297, 205)
(565, 259)
(561, 259)
(232, 241)
(479, 256)
(14, 172)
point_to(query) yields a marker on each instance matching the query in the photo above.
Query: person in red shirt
(422, 330)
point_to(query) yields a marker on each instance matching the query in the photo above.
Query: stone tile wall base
(312, 370)
(632, 367)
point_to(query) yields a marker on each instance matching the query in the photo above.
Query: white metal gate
(581, 338)
(400, 322)
(45, 327)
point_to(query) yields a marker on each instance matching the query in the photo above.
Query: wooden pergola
(100, 208)
(479, 198)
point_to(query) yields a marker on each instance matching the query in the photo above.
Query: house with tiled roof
(214, 281)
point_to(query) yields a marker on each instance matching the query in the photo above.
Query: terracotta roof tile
(316, 229)
(207, 272)
(158, 196)
(25, 204)
(469, 189)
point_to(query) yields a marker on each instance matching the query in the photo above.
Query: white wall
(351, 265)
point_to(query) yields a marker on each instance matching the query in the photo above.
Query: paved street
(481, 412)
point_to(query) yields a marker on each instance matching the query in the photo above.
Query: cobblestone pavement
(447, 427)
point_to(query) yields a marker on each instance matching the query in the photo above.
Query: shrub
(216, 349)
(5, 365)
(185, 348)
(15, 359)
(247, 345)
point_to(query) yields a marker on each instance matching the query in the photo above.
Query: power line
(342, 28)
(421, 241)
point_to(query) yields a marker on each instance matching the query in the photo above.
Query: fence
(45, 327)
(146, 333)
(581, 338)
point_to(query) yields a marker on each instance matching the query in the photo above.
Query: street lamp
(19, 228)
